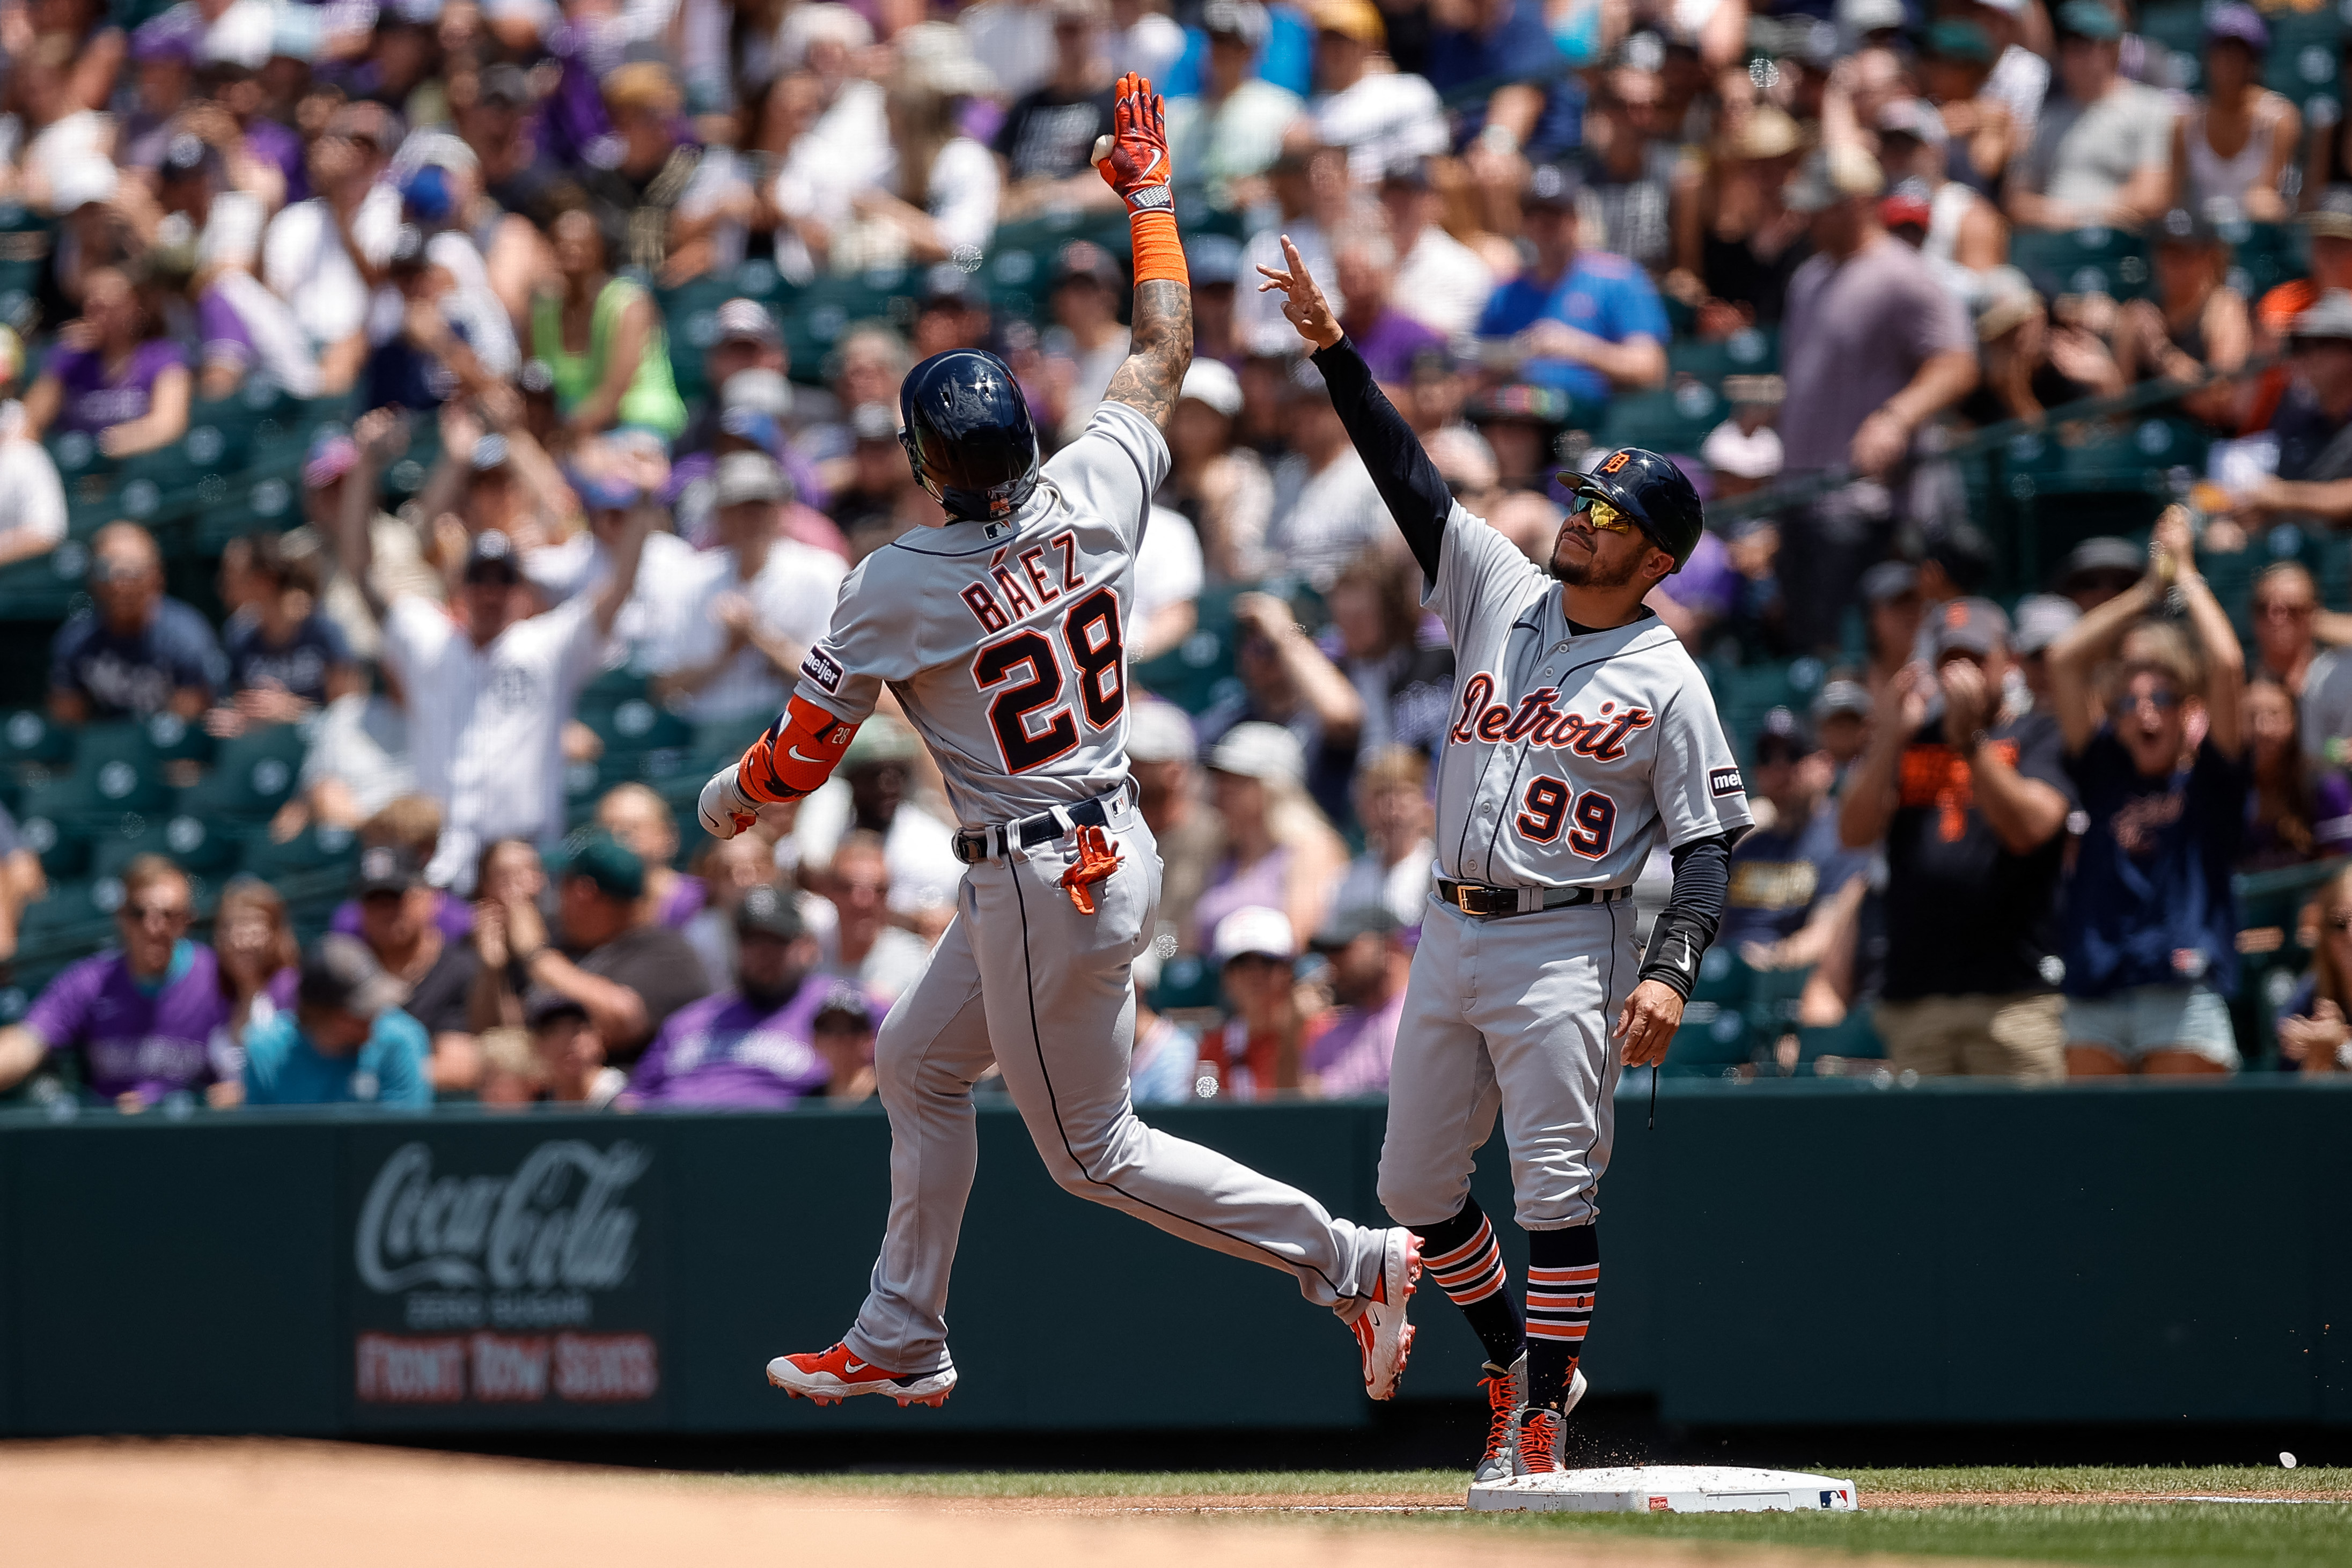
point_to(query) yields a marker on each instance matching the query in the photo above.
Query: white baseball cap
(1253, 929)
(1259, 750)
(1743, 455)
(1159, 732)
(1214, 383)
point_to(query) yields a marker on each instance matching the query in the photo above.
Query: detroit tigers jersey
(1006, 641)
(1567, 755)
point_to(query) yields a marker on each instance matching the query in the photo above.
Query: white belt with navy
(973, 845)
(1483, 902)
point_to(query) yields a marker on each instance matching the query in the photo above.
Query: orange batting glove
(1133, 158)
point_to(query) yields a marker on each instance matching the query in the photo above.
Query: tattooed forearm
(1148, 380)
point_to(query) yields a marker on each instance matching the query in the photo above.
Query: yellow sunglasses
(1604, 516)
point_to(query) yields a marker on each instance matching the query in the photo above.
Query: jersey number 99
(1033, 721)
(1549, 805)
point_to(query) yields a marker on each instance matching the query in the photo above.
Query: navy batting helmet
(967, 433)
(1651, 491)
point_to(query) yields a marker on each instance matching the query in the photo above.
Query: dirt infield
(260, 1504)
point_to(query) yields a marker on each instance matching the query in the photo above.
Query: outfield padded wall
(1778, 1254)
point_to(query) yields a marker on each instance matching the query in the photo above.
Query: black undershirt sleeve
(1417, 497)
(1694, 912)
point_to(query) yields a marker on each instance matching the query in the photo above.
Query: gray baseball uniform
(1571, 756)
(1003, 643)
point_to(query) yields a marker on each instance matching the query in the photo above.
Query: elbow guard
(799, 753)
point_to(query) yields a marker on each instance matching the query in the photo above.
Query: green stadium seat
(252, 774)
(1853, 1040)
(1186, 980)
(1199, 671)
(636, 725)
(323, 856)
(2082, 261)
(1713, 1039)
(1674, 418)
(1751, 353)
(27, 735)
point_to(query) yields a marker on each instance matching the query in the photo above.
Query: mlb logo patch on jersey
(1723, 781)
(824, 669)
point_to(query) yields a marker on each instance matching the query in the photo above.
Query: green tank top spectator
(622, 374)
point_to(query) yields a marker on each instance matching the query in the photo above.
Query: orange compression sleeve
(799, 753)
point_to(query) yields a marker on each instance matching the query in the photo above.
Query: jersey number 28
(1548, 805)
(1033, 722)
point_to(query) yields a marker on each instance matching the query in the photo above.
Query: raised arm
(1133, 161)
(2076, 655)
(2225, 661)
(1416, 495)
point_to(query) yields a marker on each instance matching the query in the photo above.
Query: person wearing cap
(1314, 202)
(1379, 118)
(2151, 952)
(1364, 263)
(1327, 510)
(1744, 454)
(1955, 71)
(133, 652)
(871, 792)
(1259, 1051)
(286, 657)
(862, 942)
(1350, 1047)
(1170, 572)
(2195, 325)
(1874, 349)
(1230, 131)
(2040, 620)
(2236, 111)
(746, 625)
(126, 386)
(954, 312)
(1795, 887)
(643, 821)
(454, 339)
(753, 1044)
(490, 688)
(564, 1056)
(673, 207)
(1440, 282)
(1588, 322)
(1971, 807)
(345, 1041)
(876, 498)
(398, 921)
(1962, 233)
(630, 973)
(1396, 869)
(1286, 679)
(1280, 851)
(2313, 423)
(1171, 794)
(1841, 715)
(2102, 150)
(2097, 569)
(1891, 614)
(1045, 146)
(1218, 480)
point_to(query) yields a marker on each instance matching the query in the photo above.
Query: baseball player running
(1581, 735)
(1001, 635)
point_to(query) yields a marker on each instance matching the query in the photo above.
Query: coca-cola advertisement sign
(505, 1279)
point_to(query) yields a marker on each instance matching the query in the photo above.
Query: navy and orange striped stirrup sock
(1563, 1275)
(1461, 1255)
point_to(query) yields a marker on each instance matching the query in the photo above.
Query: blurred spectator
(1165, 1066)
(1440, 282)
(1365, 263)
(1280, 852)
(645, 825)
(1631, 161)
(1085, 345)
(122, 383)
(2262, 128)
(2196, 326)
(1397, 869)
(878, 500)
(869, 792)
(861, 945)
(1964, 236)
(307, 254)
(1169, 576)
(1973, 808)
(1794, 885)
(568, 1047)
(2151, 953)
(139, 1019)
(1841, 713)
(673, 209)
(842, 1032)
(256, 955)
(1313, 202)
(1736, 243)
(2312, 1034)
(1348, 1051)
(1163, 758)
(2285, 609)
(2032, 363)
(410, 824)
(1326, 511)
(752, 1045)
(1588, 322)
(1260, 1049)
(2102, 148)
(1393, 654)
(2097, 569)
(1744, 453)
(2295, 811)
(1222, 487)
(344, 1041)
(1046, 144)
(2042, 620)
(728, 868)
(629, 974)
(942, 200)
(134, 653)
(399, 922)
(453, 338)
(487, 700)
(1893, 612)
(602, 336)
(743, 632)
(32, 496)
(1228, 134)
(1215, 262)
(1537, 112)
(357, 764)
(1287, 681)
(1382, 119)
(287, 659)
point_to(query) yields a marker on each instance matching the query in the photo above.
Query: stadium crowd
(556, 516)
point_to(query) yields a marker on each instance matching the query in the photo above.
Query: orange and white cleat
(1540, 1430)
(1381, 1332)
(1504, 1386)
(831, 1376)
